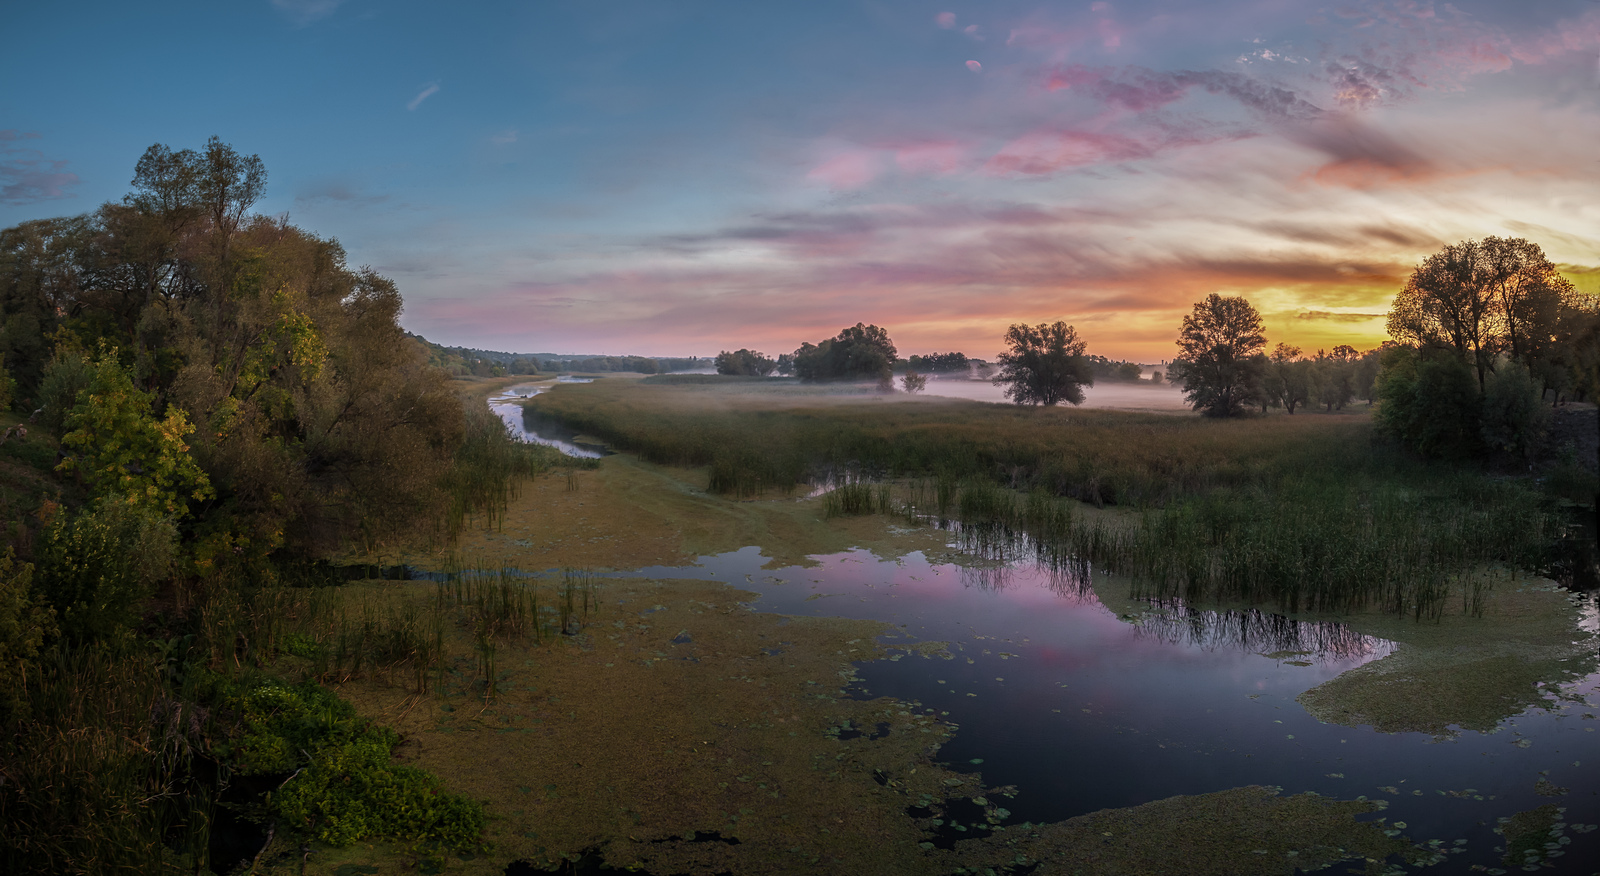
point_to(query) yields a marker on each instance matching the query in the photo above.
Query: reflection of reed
(1001, 551)
(1257, 631)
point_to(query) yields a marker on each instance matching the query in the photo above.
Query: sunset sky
(676, 178)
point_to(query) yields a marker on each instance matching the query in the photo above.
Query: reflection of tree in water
(1000, 551)
(1258, 631)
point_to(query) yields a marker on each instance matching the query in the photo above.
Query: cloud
(1329, 316)
(946, 20)
(338, 192)
(1360, 155)
(848, 170)
(1140, 89)
(27, 176)
(974, 66)
(504, 138)
(304, 12)
(427, 91)
(930, 157)
(1049, 151)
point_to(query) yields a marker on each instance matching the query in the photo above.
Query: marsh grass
(489, 465)
(1308, 513)
(115, 778)
(756, 439)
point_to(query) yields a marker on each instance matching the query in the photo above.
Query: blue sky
(678, 178)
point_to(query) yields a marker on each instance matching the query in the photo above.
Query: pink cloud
(932, 157)
(946, 20)
(974, 66)
(848, 170)
(1049, 151)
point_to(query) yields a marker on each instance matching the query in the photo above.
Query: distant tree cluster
(940, 363)
(603, 364)
(1114, 371)
(745, 363)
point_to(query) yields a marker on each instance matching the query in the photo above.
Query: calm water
(507, 404)
(1083, 710)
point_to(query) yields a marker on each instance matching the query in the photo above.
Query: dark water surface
(1082, 710)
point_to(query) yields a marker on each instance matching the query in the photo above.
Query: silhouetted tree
(1218, 361)
(1045, 365)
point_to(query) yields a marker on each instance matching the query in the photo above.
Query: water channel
(1082, 709)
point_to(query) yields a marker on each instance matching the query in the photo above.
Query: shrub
(348, 788)
(1514, 419)
(1430, 402)
(96, 567)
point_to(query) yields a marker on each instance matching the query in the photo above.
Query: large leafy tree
(1044, 365)
(1220, 355)
(1482, 299)
(861, 352)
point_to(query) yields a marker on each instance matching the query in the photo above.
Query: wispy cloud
(27, 176)
(504, 138)
(427, 91)
(337, 192)
(304, 12)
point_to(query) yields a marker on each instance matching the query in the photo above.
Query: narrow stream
(534, 429)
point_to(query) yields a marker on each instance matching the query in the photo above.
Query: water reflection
(1083, 707)
(1260, 632)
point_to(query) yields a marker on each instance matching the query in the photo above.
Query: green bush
(347, 787)
(1430, 403)
(96, 567)
(1515, 417)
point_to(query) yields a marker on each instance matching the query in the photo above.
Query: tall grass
(488, 467)
(107, 773)
(1313, 545)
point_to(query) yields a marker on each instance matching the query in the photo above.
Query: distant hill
(462, 361)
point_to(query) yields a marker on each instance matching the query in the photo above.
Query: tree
(941, 363)
(1218, 361)
(123, 450)
(1045, 365)
(745, 363)
(1288, 380)
(861, 352)
(914, 382)
(1485, 298)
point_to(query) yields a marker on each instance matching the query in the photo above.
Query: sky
(677, 178)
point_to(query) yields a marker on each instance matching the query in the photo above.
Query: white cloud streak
(428, 91)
